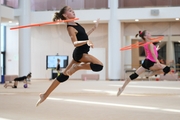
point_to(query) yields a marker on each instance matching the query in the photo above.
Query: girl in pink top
(150, 63)
(149, 54)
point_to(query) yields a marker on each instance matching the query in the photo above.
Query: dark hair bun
(56, 13)
(140, 33)
(29, 74)
(56, 16)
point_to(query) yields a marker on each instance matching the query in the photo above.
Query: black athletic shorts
(147, 64)
(79, 51)
(77, 55)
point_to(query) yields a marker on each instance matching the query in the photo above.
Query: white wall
(12, 51)
(130, 14)
(165, 13)
(156, 28)
(127, 53)
(86, 16)
(50, 40)
(7, 12)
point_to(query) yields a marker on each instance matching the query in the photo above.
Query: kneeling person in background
(23, 78)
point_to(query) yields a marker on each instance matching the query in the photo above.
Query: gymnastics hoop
(41, 24)
(140, 44)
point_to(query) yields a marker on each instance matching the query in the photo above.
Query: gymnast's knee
(62, 78)
(96, 67)
(133, 76)
(166, 70)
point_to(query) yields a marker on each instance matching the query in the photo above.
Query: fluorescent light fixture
(177, 18)
(136, 20)
(94, 21)
(10, 21)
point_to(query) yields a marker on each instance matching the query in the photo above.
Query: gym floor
(92, 100)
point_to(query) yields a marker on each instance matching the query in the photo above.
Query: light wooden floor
(93, 100)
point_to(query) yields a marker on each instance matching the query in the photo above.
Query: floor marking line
(114, 104)
(135, 86)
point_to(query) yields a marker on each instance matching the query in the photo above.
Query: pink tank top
(148, 52)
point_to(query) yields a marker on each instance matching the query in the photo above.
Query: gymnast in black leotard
(81, 58)
(18, 79)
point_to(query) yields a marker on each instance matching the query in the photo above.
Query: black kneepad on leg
(166, 70)
(96, 67)
(133, 76)
(61, 78)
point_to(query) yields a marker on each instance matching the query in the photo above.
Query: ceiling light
(10, 21)
(136, 20)
(17, 23)
(177, 18)
(94, 21)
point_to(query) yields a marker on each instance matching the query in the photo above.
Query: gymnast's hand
(89, 43)
(157, 48)
(97, 23)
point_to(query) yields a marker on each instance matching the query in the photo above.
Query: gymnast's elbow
(75, 44)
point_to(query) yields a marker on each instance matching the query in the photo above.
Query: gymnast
(151, 61)
(81, 58)
(26, 80)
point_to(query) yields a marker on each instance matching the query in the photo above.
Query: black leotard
(20, 78)
(58, 66)
(81, 36)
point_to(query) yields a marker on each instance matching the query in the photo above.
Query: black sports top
(23, 77)
(81, 36)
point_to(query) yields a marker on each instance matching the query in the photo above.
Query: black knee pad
(96, 67)
(166, 70)
(133, 76)
(61, 78)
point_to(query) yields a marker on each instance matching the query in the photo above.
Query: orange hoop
(45, 23)
(139, 44)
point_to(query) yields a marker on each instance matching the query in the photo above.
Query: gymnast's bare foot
(5, 85)
(41, 99)
(120, 90)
